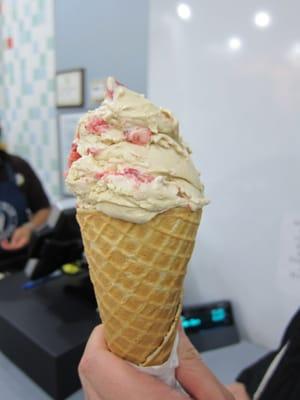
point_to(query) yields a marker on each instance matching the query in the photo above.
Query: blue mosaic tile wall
(29, 115)
(1, 63)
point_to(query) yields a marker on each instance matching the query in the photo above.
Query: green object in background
(71, 269)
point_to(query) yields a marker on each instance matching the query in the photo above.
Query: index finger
(195, 377)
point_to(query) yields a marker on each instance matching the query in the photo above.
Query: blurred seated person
(24, 205)
(276, 376)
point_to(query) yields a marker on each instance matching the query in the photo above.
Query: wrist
(30, 226)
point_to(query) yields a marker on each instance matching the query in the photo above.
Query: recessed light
(234, 43)
(296, 50)
(184, 11)
(262, 19)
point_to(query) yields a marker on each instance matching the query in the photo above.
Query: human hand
(194, 376)
(19, 239)
(104, 376)
(239, 391)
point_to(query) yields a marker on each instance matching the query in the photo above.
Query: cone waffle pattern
(137, 271)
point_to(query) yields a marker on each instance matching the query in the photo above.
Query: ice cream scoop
(129, 161)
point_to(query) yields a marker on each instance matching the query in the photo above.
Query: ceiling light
(262, 19)
(234, 43)
(295, 51)
(184, 11)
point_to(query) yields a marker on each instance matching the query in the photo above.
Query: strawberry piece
(99, 175)
(138, 135)
(74, 155)
(129, 173)
(109, 93)
(93, 151)
(97, 126)
(137, 175)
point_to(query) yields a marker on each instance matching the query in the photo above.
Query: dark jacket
(284, 383)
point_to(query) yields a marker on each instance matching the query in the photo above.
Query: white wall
(117, 45)
(239, 111)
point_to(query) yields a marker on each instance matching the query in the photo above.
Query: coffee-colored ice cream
(128, 160)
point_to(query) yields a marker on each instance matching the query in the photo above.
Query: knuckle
(85, 365)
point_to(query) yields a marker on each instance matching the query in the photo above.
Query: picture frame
(70, 88)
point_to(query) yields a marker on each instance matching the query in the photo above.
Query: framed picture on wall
(70, 88)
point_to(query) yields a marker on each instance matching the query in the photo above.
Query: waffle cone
(137, 271)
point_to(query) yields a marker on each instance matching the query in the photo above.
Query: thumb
(195, 376)
(17, 235)
(19, 238)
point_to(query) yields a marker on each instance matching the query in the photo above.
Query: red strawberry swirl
(100, 175)
(109, 94)
(140, 177)
(129, 173)
(138, 135)
(97, 126)
(93, 151)
(74, 155)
